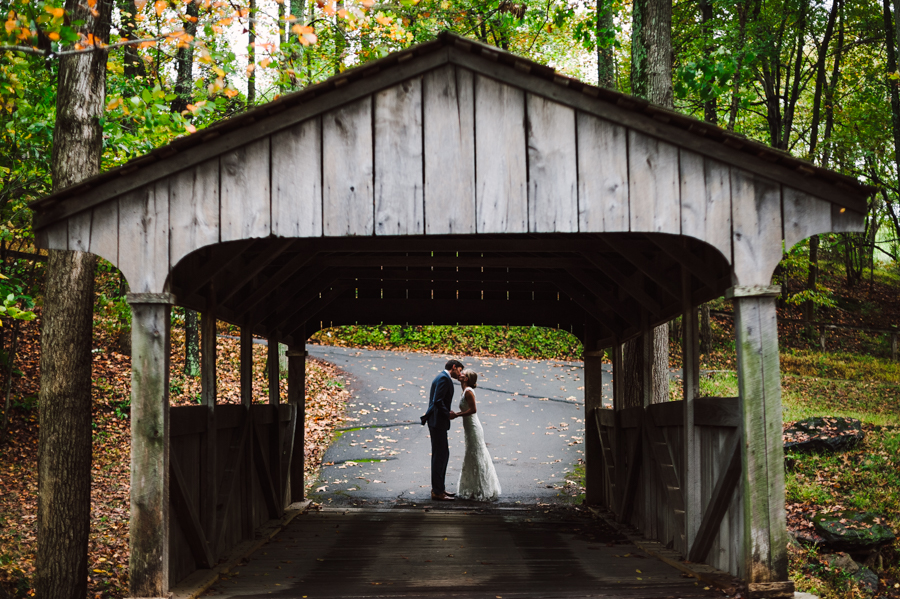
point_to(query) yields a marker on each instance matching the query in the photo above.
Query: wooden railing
(228, 474)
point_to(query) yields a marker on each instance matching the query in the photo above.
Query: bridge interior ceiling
(290, 288)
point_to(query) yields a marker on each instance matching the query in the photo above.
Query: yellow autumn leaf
(159, 6)
(55, 11)
(230, 92)
(265, 62)
(53, 36)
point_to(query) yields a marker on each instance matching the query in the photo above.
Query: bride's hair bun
(471, 377)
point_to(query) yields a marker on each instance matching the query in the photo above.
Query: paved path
(412, 552)
(532, 413)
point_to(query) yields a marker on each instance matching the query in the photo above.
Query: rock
(823, 433)
(852, 531)
(842, 561)
(866, 580)
(799, 595)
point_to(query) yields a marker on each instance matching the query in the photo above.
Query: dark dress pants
(440, 455)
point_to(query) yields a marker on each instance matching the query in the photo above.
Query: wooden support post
(690, 475)
(646, 481)
(297, 398)
(273, 371)
(208, 479)
(248, 514)
(764, 550)
(149, 528)
(593, 400)
(619, 441)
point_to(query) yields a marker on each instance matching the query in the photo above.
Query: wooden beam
(297, 398)
(235, 281)
(209, 449)
(199, 273)
(764, 547)
(625, 282)
(187, 516)
(589, 306)
(271, 284)
(690, 352)
(494, 261)
(308, 305)
(593, 401)
(694, 264)
(632, 253)
(149, 563)
(600, 293)
(717, 411)
(722, 493)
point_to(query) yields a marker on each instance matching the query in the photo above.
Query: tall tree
(64, 443)
(606, 38)
(184, 59)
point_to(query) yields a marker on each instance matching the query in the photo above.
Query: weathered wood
(667, 413)
(633, 474)
(706, 201)
(246, 366)
(224, 257)
(602, 175)
(80, 231)
(630, 284)
(193, 210)
(188, 420)
(804, 216)
(630, 417)
(209, 447)
(771, 590)
(347, 170)
(297, 180)
(685, 258)
(845, 220)
(271, 284)
(245, 192)
(297, 398)
(267, 484)
(608, 454)
(756, 227)
(665, 462)
(273, 371)
(634, 253)
(653, 185)
(144, 238)
(619, 440)
(149, 527)
(593, 402)
(187, 516)
(105, 232)
(449, 122)
(690, 468)
(501, 195)
(227, 485)
(286, 454)
(552, 166)
(717, 507)
(764, 550)
(752, 291)
(399, 177)
(717, 411)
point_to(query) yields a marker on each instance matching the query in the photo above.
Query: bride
(478, 480)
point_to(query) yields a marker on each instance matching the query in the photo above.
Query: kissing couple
(478, 480)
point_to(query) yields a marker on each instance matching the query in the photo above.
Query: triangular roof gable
(675, 128)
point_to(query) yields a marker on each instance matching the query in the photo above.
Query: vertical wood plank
(273, 370)
(449, 123)
(149, 523)
(804, 216)
(347, 167)
(144, 237)
(764, 549)
(208, 379)
(756, 227)
(245, 190)
(297, 180)
(653, 193)
(399, 177)
(54, 237)
(80, 231)
(593, 401)
(690, 469)
(193, 210)
(602, 175)
(500, 160)
(297, 397)
(619, 440)
(552, 167)
(247, 474)
(846, 221)
(706, 201)
(105, 232)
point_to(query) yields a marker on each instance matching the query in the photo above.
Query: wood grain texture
(244, 185)
(804, 216)
(706, 201)
(144, 238)
(193, 210)
(844, 220)
(80, 231)
(756, 227)
(297, 180)
(347, 168)
(653, 185)
(552, 167)
(764, 547)
(449, 122)
(602, 175)
(501, 163)
(105, 232)
(399, 177)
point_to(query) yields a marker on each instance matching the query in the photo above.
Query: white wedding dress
(478, 480)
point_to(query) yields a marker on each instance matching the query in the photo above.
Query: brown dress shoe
(441, 497)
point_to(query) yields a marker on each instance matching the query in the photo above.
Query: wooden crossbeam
(247, 272)
(600, 293)
(589, 305)
(205, 271)
(697, 266)
(629, 285)
(227, 485)
(278, 278)
(187, 515)
(528, 262)
(633, 254)
(307, 304)
(716, 508)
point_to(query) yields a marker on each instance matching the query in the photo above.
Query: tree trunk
(134, 66)
(251, 55)
(809, 308)
(633, 366)
(184, 82)
(706, 16)
(191, 344)
(64, 442)
(606, 37)
(705, 330)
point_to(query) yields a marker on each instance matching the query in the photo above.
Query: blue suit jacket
(439, 402)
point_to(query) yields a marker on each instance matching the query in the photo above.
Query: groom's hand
(453, 415)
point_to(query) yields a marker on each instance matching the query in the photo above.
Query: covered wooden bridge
(454, 183)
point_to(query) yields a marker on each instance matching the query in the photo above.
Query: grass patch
(872, 402)
(853, 367)
(719, 384)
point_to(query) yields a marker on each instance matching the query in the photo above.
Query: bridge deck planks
(409, 553)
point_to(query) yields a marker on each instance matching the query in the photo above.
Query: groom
(438, 418)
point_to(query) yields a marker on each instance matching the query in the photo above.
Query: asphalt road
(532, 413)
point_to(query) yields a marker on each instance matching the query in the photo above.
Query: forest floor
(853, 377)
